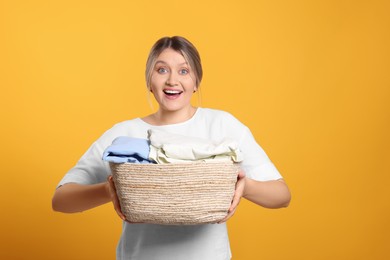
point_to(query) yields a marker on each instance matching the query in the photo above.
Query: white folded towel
(173, 148)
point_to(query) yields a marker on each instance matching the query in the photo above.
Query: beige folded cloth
(173, 148)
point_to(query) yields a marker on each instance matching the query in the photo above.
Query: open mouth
(171, 92)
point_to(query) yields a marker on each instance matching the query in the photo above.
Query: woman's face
(172, 81)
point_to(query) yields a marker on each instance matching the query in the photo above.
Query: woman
(173, 74)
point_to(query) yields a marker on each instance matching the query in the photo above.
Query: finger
(241, 174)
(237, 195)
(229, 215)
(115, 199)
(118, 209)
(235, 202)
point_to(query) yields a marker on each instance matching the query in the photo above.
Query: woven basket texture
(175, 194)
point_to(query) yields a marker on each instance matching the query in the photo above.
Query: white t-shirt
(148, 241)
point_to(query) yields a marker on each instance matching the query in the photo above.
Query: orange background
(310, 79)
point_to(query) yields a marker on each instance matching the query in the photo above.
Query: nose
(172, 79)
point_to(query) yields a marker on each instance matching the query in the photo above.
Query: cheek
(189, 82)
(192, 79)
(153, 85)
(157, 79)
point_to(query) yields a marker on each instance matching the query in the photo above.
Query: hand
(114, 197)
(239, 192)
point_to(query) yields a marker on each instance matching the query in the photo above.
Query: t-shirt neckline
(177, 124)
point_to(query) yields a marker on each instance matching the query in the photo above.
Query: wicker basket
(175, 194)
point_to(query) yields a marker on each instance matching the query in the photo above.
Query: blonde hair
(181, 45)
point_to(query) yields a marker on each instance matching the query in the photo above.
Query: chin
(172, 106)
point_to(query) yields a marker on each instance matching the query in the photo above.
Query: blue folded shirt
(126, 149)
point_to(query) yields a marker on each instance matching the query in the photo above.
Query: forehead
(171, 57)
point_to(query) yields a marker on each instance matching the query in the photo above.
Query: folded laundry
(170, 148)
(127, 149)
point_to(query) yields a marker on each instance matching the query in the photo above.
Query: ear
(195, 89)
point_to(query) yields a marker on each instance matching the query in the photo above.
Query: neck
(163, 117)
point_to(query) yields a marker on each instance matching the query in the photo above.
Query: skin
(172, 75)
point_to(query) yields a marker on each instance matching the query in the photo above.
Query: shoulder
(221, 124)
(215, 113)
(133, 127)
(223, 117)
(122, 127)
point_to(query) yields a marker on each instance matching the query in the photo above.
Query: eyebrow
(160, 61)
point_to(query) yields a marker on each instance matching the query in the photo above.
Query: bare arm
(269, 194)
(72, 197)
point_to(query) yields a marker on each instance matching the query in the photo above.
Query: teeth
(172, 91)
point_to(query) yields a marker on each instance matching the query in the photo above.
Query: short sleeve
(256, 164)
(90, 169)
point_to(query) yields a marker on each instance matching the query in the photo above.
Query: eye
(162, 70)
(184, 71)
